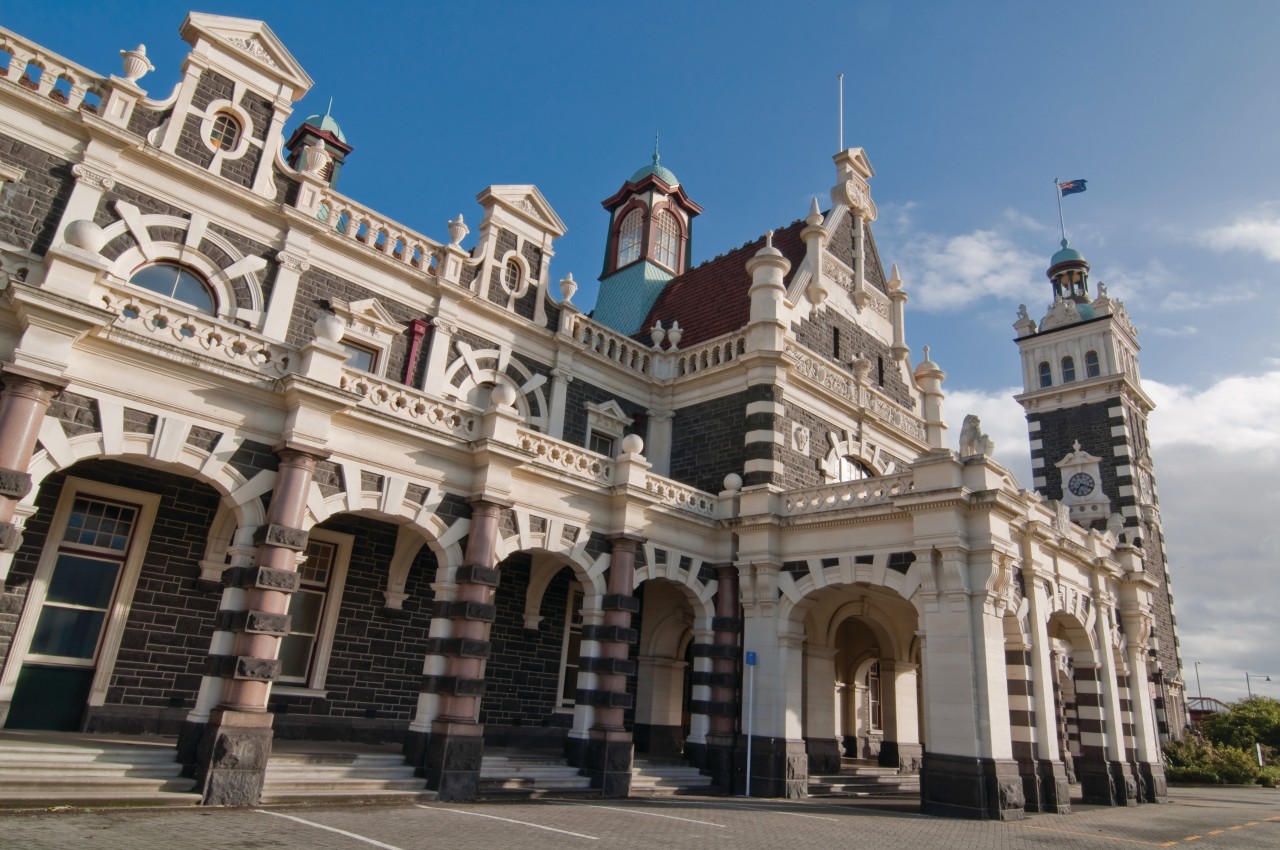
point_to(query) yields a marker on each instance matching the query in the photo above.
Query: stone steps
(43, 775)
(345, 777)
(530, 777)
(656, 778)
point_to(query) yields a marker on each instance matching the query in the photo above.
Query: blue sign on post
(751, 659)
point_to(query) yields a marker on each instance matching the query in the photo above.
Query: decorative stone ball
(733, 481)
(83, 233)
(504, 395)
(330, 328)
(632, 444)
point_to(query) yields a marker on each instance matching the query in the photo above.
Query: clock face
(1081, 484)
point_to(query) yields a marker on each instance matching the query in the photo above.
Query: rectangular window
(601, 444)
(87, 565)
(571, 648)
(359, 357)
(313, 610)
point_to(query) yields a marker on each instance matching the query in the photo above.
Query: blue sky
(966, 110)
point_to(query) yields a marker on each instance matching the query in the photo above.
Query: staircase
(864, 778)
(664, 777)
(529, 776)
(38, 773)
(301, 777)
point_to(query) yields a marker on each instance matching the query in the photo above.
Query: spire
(655, 148)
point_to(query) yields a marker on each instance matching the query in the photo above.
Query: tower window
(666, 240)
(1046, 374)
(225, 133)
(1068, 370)
(1092, 369)
(629, 236)
(880, 370)
(835, 343)
(176, 282)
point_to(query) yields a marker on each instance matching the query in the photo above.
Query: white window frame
(121, 602)
(563, 703)
(323, 647)
(368, 326)
(634, 249)
(666, 240)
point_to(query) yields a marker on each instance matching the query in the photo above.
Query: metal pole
(1062, 223)
(1199, 691)
(841, 112)
(751, 704)
(1248, 686)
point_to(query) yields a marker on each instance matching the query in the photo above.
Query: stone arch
(850, 576)
(473, 369)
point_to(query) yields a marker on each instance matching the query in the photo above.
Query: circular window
(225, 133)
(176, 282)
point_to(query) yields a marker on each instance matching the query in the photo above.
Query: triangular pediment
(368, 315)
(527, 202)
(253, 40)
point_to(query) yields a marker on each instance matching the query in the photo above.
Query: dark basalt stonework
(971, 787)
(779, 768)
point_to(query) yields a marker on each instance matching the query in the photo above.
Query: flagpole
(1057, 190)
(841, 113)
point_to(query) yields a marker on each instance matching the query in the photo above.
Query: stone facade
(342, 485)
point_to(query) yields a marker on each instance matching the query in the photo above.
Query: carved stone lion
(972, 440)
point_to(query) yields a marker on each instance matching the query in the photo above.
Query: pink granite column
(725, 654)
(456, 742)
(237, 742)
(23, 404)
(609, 747)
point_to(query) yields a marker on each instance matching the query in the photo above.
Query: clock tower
(1087, 421)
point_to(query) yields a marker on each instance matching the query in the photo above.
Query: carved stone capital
(14, 484)
(91, 177)
(292, 262)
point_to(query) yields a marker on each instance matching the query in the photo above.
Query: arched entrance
(664, 669)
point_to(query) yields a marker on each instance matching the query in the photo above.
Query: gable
(249, 40)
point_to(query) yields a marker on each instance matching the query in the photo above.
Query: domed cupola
(649, 243)
(325, 130)
(1069, 271)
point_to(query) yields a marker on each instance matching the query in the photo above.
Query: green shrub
(1195, 759)
(1269, 776)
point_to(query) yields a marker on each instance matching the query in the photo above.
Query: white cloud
(952, 271)
(1217, 463)
(1200, 299)
(1185, 330)
(1258, 232)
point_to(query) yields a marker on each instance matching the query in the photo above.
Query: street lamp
(1249, 686)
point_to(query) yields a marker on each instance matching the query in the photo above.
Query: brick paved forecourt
(1210, 817)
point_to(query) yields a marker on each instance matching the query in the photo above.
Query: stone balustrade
(163, 320)
(609, 344)
(26, 64)
(848, 494)
(708, 355)
(412, 406)
(681, 496)
(377, 233)
(565, 458)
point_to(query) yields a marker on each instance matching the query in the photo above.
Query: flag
(1071, 187)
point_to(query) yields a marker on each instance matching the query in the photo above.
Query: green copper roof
(1066, 255)
(666, 175)
(325, 122)
(627, 295)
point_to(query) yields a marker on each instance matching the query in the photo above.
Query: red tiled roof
(712, 299)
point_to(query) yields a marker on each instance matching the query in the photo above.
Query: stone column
(1096, 781)
(433, 667)
(724, 653)
(658, 440)
(609, 746)
(1124, 786)
(456, 743)
(584, 717)
(233, 752)
(901, 747)
(1151, 769)
(1053, 793)
(695, 743)
(561, 377)
(820, 732)
(23, 404)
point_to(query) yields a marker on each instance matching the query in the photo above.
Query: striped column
(721, 655)
(1022, 719)
(609, 746)
(456, 742)
(232, 756)
(1093, 773)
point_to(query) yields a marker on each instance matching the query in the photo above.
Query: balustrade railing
(611, 345)
(681, 496)
(712, 353)
(565, 457)
(378, 233)
(848, 494)
(26, 64)
(412, 406)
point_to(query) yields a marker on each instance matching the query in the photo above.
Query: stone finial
(330, 328)
(674, 334)
(503, 395)
(317, 159)
(568, 286)
(136, 64)
(632, 444)
(657, 334)
(895, 279)
(733, 482)
(815, 215)
(86, 235)
(458, 230)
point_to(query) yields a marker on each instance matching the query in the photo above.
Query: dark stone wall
(144, 120)
(31, 207)
(816, 334)
(841, 245)
(706, 439)
(1091, 425)
(170, 622)
(242, 170)
(212, 86)
(191, 145)
(578, 394)
(316, 286)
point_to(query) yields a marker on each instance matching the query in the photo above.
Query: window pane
(629, 238)
(359, 358)
(304, 609)
(175, 282)
(295, 656)
(83, 581)
(68, 632)
(320, 555)
(103, 525)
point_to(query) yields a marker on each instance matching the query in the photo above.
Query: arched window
(853, 470)
(873, 696)
(666, 241)
(629, 236)
(177, 282)
(1092, 368)
(511, 276)
(1046, 374)
(225, 133)
(1068, 370)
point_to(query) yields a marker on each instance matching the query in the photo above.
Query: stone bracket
(14, 484)
(10, 537)
(620, 602)
(476, 574)
(280, 535)
(263, 578)
(254, 622)
(243, 667)
(460, 647)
